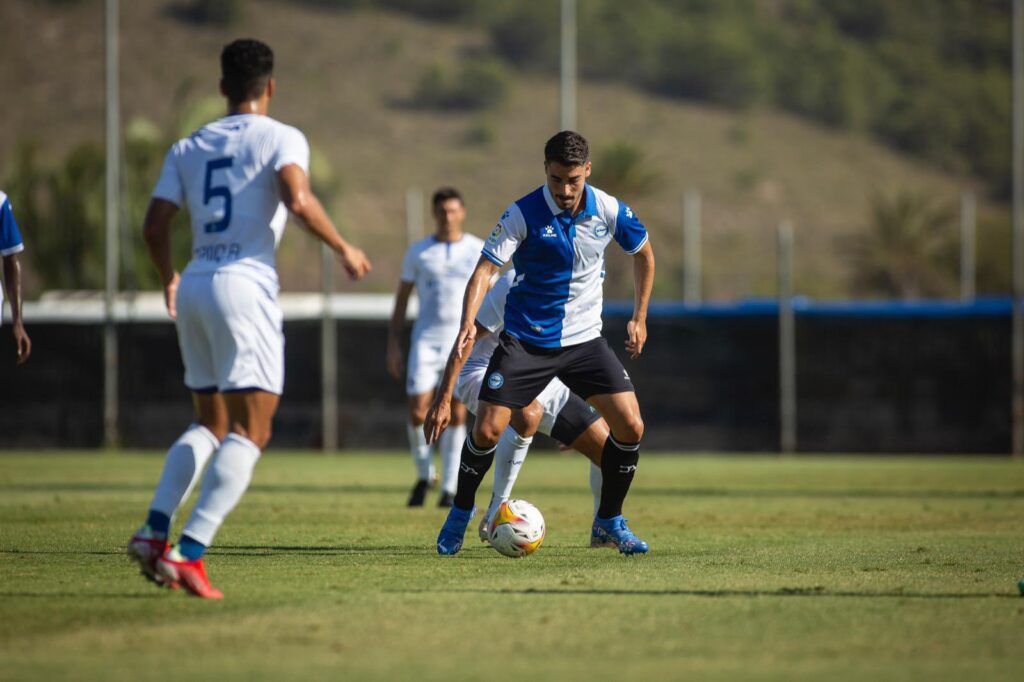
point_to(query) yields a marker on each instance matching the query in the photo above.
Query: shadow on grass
(780, 592)
(318, 550)
(155, 594)
(639, 491)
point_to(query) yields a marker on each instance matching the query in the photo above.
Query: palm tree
(905, 250)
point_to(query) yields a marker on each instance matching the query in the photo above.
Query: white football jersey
(491, 316)
(226, 173)
(440, 271)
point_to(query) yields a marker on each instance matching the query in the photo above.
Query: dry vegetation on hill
(350, 78)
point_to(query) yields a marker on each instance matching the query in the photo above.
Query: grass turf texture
(761, 568)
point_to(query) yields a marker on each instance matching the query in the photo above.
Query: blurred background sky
(862, 121)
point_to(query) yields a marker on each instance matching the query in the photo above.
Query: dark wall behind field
(870, 379)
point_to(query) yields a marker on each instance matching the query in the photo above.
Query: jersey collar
(589, 202)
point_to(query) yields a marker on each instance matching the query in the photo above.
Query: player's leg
(187, 457)
(509, 457)
(593, 372)
(476, 459)
(591, 443)
(421, 377)
(251, 414)
(450, 445)
(419, 403)
(183, 467)
(245, 327)
(514, 378)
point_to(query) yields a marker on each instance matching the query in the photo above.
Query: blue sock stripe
(191, 549)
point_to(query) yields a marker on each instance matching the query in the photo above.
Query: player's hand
(438, 417)
(465, 340)
(636, 337)
(394, 360)
(22, 343)
(171, 295)
(355, 262)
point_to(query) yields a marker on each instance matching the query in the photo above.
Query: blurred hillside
(818, 112)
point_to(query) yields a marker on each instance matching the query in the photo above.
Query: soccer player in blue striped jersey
(11, 246)
(556, 237)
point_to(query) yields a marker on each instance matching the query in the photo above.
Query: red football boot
(173, 567)
(144, 549)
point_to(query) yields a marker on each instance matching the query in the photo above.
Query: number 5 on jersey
(211, 191)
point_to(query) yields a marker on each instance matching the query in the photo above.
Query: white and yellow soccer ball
(517, 529)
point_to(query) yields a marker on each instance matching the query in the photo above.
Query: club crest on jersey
(600, 230)
(495, 381)
(548, 232)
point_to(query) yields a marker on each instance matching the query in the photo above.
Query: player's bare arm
(439, 413)
(394, 354)
(156, 231)
(478, 286)
(299, 199)
(643, 281)
(12, 283)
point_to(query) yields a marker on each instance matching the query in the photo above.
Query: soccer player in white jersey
(239, 177)
(438, 268)
(11, 245)
(556, 237)
(556, 412)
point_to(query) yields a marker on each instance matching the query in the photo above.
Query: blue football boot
(453, 532)
(614, 532)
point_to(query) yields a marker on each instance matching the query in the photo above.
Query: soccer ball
(517, 529)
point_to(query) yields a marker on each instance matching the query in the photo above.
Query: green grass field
(761, 568)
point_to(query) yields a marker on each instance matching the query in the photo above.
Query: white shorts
(553, 398)
(427, 358)
(230, 329)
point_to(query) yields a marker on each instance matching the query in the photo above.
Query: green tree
(905, 251)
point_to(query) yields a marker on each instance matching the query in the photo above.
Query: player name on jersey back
(226, 174)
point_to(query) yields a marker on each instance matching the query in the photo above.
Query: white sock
(450, 445)
(420, 452)
(508, 460)
(183, 468)
(223, 486)
(595, 485)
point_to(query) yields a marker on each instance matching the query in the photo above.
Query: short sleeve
(10, 236)
(491, 315)
(630, 233)
(505, 237)
(292, 148)
(169, 186)
(410, 265)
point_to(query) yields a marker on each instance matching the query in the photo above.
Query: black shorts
(573, 419)
(518, 372)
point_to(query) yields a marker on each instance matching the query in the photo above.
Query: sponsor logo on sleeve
(496, 233)
(629, 212)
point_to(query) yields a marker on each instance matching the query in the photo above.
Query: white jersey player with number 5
(239, 177)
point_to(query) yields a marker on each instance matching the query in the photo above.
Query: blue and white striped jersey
(556, 297)
(10, 237)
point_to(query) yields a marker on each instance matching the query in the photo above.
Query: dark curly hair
(245, 66)
(444, 194)
(567, 148)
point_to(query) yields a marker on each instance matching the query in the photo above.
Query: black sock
(618, 464)
(475, 463)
